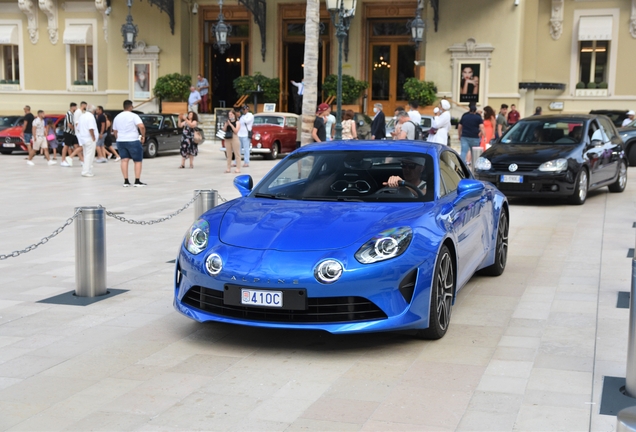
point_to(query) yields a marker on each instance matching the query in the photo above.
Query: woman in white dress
(442, 123)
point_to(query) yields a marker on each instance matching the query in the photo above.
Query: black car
(616, 116)
(162, 133)
(556, 155)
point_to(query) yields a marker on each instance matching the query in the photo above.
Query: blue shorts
(131, 150)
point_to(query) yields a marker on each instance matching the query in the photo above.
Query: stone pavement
(526, 351)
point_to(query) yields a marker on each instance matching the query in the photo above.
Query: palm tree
(310, 94)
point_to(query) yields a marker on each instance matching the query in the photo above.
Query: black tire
(631, 152)
(501, 251)
(442, 292)
(275, 150)
(151, 149)
(621, 182)
(580, 188)
(6, 152)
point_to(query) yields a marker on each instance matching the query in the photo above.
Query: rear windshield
(545, 132)
(273, 120)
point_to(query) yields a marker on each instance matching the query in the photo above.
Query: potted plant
(580, 85)
(591, 85)
(351, 90)
(173, 91)
(603, 85)
(424, 92)
(247, 84)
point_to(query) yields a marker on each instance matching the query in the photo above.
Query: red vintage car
(11, 138)
(274, 133)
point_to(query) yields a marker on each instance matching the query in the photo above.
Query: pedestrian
(629, 119)
(502, 121)
(27, 125)
(442, 123)
(87, 134)
(100, 119)
(38, 125)
(194, 99)
(109, 145)
(69, 134)
(189, 149)
(298, 97)
(378, 125)
(319, 131)
(130, 132)
(349, 126)
(490, 120)
(232, 143)
(203, 87)
(51, 138)
(246, 122)
(537, 111)
(396, 124)
(513, 116)
(77, 148)
(330, 124)
(407, 127)
(469, 131)
(413, 113)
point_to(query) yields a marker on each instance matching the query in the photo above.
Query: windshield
(272, 120)
(151, 121)
(558, 131)
(349, 176)
(8, 121)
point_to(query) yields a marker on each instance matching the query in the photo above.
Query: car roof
(375, 145)
(557, 117)
(277, 114)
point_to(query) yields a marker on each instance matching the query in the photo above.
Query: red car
(11, 138)
(274, 133)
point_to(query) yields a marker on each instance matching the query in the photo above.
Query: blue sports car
(345, 237)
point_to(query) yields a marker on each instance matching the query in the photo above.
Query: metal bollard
(630, 377)
(90, 252)
(626, 420)
(475, 154)
(209, 198)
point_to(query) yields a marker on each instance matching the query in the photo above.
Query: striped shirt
(69, 121)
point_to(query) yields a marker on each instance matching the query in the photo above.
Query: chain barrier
(220, 197)
(34, 246)
(155, 221)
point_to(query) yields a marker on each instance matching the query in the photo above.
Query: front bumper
(534, 183)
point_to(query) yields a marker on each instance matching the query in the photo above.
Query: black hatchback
(558, 156)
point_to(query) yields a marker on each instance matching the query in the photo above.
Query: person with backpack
(408, 129)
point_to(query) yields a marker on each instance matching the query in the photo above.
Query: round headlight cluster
(386, 247)
(214, 264)
(196, 239)
(257, 136)
(328, 271)
(483, 164)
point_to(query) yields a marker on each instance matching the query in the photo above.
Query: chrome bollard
(208, 198)
(626, 420)
(90, 252)
(630, 377)
(475, 154)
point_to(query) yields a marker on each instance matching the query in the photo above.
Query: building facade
(563, 55)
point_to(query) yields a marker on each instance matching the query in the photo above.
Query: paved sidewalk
(526, 351)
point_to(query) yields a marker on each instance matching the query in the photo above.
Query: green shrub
(424, 92)
(246, 84)
(173, 87)
(591, 85)
(580, 85)
(602, 85)
(351, 88)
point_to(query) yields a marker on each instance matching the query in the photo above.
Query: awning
(78, 34)
(8, 34)
(595, 28)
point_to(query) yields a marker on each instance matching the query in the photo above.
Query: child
(51, 138)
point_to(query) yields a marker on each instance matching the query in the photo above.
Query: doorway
(391, 64)
(294, 55)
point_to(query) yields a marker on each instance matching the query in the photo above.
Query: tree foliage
(248, 83)
(424, 92)
(351, 88)
(173, 87)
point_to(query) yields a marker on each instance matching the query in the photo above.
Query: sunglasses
(409, 165)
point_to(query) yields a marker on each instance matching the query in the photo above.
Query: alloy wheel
(502, 241)
(444, 291)
(583, 185)
(622, 175)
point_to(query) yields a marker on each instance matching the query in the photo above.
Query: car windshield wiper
(272, 196)
(338, 198)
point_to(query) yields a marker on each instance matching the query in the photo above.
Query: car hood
(13, 131)
(528, 153)
(257, 223)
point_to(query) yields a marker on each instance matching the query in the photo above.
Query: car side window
(452, 171)
(291, 122)
(607, 127)
(167, 123)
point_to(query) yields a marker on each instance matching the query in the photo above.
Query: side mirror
(244, 184)
(469, 188)
(597, 143)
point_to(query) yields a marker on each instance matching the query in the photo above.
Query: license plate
(262, 298)
(8, 145)
(511, 179)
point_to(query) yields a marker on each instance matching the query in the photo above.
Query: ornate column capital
(103, 8)
(632, 20)
(556, 19)
(28, 8)
(49, 7)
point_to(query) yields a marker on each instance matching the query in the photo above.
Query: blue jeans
(245, 148)
(467, 145)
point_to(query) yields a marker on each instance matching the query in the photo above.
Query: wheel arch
(448, 242)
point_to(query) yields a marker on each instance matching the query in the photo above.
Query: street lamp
(221, 31)
(129, 31)
(417, 27)
(342, 12)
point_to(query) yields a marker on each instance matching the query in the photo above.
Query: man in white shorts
(87, 136)
(39, 140)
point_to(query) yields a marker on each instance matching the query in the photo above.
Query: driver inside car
(412, 169)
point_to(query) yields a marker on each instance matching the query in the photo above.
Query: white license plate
(262, 298)
(511, 179)
(8, 145)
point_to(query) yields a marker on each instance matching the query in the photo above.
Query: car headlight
(328, 271)
(554, 165)
(386, 245)
(214, 264)
(196, 239)
(483, 164)
(257, 136)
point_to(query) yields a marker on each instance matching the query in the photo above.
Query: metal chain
(44, 240)
(220, 197)
(155, 221)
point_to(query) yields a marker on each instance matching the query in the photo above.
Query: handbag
(198, 137)
(220, 134)
(432, 131)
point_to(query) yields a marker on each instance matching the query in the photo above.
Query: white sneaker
(101, 160)
(30, 163)
(69, 161)
(64, 164)
(82, 162)
(52, 162)
(88, 175)
(118, 159)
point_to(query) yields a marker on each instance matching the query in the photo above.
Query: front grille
(522, 167)
(515, 187)
(319, 310)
